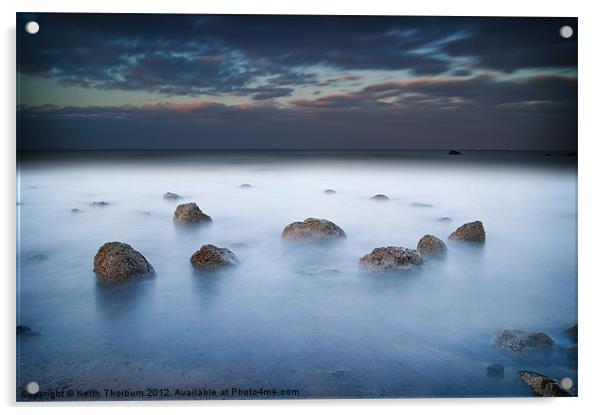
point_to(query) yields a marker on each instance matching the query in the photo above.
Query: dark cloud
(193, 55)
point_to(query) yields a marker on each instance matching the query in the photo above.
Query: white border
(590, 151)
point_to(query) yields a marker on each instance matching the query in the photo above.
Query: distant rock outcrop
(245, 186)
(171, 196)
(495, 371)
(189, 213)
(118, 262)
(542, 386)
(454, 153)
(75, 210)
(210, 258)
(380, 197)
(312, 229)
(329, 191)
(522, 341)
(101, 203)
(470, 232)
(421, 205)
(444, 219)
(430, 245)
(572, 332)
(390, 259)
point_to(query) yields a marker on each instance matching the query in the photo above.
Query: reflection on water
(270, 322)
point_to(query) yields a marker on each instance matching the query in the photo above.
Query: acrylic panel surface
(252, 118)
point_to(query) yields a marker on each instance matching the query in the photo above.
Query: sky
(135, 81)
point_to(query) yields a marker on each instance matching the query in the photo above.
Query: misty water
(269, 323)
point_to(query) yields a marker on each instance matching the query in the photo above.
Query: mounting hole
(566, 32)
(566, 383)
(32, 27)
(32, 388)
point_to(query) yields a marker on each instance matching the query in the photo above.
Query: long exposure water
(273, 322)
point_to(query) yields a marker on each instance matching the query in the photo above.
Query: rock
(23, 329)
(430, 245)
(171, 196)
(34, 259)
(454, 153)
(329, 191)
(571, 154)
(444, 219)
(245, 186)
(239, 245)
(319, 271)
(75, 210)
(312, 229)
(572, 332)
(542, 386)
(422, 205)
(522, 341)
(495, 371)
(380, 197)
(391, 259)
(118, 262)
(471, 232)
(210, 258)
(548, 155)
(101, 203)
(145, 213)
(190, 213)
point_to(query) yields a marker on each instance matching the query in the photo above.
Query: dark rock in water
(329, 191)
(571, 154)
(495, 371)
(190, 213)
(23, 329)
(101, 203)
(33, 259)
(522, 341)
(471, 232)
(319, 271)
(145, 213)
(75, 210)
(444, 219)
(171, 196)
(312, 229)
(118, 262)
(245, 186)
(380, 197)
(572, 332)
(390, 259)
(430, 245)
(422, 205)
(239, 245)
(454, 153)
(542, 386)
(210, 258)
(548, 155)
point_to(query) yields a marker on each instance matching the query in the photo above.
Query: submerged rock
(444, 219)
(470, 232)
(421, 205)
(522, 341)
(23, 329)
(542, 386)
(171, 196)
(329, 191)
(312, 229)
(245, 186)
(319, 271)
(118, 262)
(101, 203)
(75, 210)
(390, 259)
(454, 153)
(495, 371)
(380, 197)
(572, 332)
(188, 213)
(210, 257)
(430, 245)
